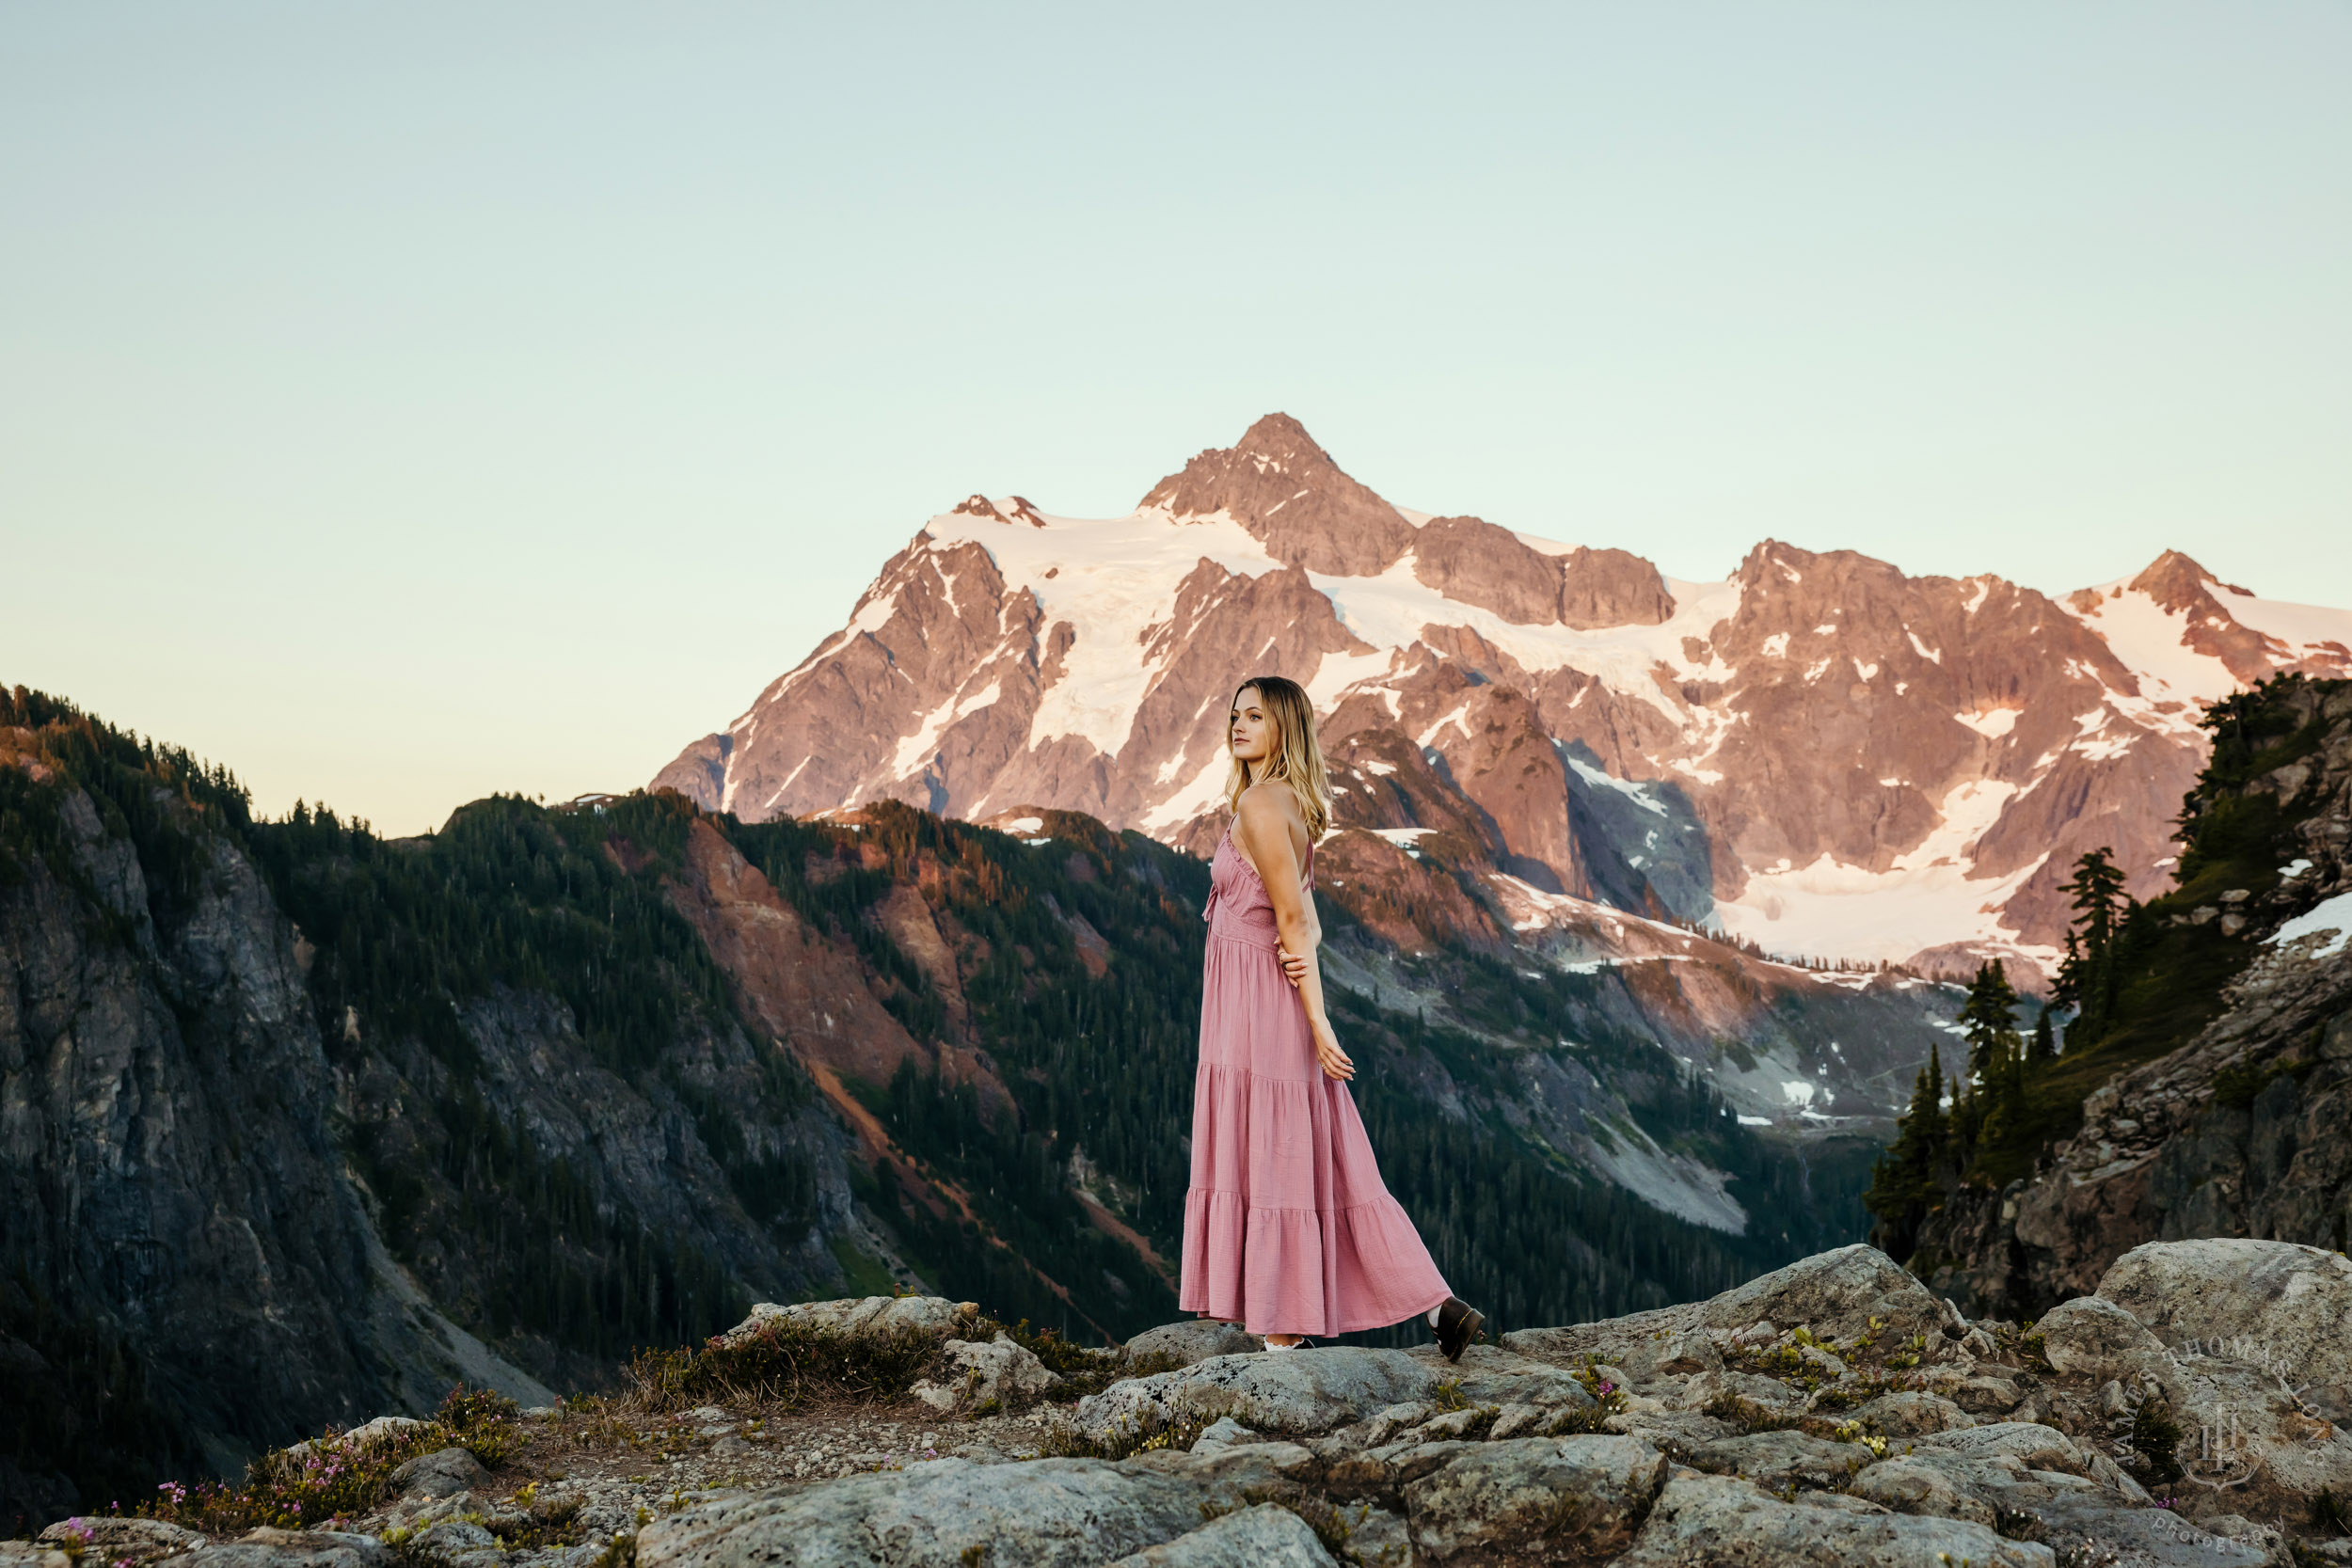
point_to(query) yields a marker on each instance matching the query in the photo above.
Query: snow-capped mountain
(1818, 754)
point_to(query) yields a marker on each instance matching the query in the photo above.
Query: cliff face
(256, 1171)
(2243, 1130)
(1847, 760)
(169, 1183)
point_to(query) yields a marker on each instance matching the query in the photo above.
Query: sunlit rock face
(1818, 754)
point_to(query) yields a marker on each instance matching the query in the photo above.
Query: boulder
(1049, 1513)
(1265, 1536)
(442, 1473)
(291, 1548)
(1534, 1498)
(986, 1376)
(2036, 1446)
(932, 1317)
(1220, 1434)
(1298, 1393)
(2089, 1337)
(1989, 1395)
(111, 1538)
(1487, 1374)
(1195, 1339)
(1836, 1295)
(1783, 1459)
(1910, 1485)
(2091, 1529)
(1703, 1521)
(455, 1543)
(2273, 1302)
(1910, 1414)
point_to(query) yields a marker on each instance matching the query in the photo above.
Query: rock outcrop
(1705, 1435)
(2239, 1133)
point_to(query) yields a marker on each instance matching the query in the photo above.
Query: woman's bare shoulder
(1270, 801)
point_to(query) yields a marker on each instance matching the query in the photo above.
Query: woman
(1287, 1228)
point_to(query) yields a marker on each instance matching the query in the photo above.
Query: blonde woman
(1288, 1228)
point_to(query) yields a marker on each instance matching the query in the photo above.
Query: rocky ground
(2193, 1411)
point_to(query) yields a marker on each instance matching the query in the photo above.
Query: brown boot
(1459, 1326)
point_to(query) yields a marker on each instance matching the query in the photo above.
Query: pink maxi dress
(1288, 1227)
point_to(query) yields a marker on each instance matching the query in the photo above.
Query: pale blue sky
(401, 402)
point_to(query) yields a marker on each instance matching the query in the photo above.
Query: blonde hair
(1295, 757)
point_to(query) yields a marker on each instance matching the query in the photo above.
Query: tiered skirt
(1288, 1227)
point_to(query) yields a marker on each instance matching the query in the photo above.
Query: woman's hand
(1334, 1061)
(1294, 967)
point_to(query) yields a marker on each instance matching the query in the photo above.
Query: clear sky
(401, 402)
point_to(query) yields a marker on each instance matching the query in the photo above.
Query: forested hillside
(537, 1064)
(2139, 983)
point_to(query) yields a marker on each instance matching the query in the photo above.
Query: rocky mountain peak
(1291, 497)
(2177, 582)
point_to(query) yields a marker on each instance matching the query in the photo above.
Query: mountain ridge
(1881, 766)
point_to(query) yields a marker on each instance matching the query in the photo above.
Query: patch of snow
(1797, 1091)
(2308, 630)
(1637, 793)
(917, 751)
(1378, 769)
(1992, 724)
(1776, 645)
(2293, 869)
(2150, 641)
(1205, 793)
(1925, 898)
(1025, 825)
(1933, 656)
(1746, 1120)
(1863, 671)
(2332, 918)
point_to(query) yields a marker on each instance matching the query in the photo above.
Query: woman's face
(1249, 731)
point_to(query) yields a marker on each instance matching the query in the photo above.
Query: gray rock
(1194, 1341)
(1836, 1295)
(932, 1317)
(1519, 1420)
(1298, 1393)
(2268, 1300)
(996, 1374)
(2092, 1529)
(110, 1538)
(1700, 1522)
(1222, 1434)
(441, 1473)
(1989, 1395)
(1534, 1496)
(2037, 1446)
(456, 1544)
(1912, 1486)
(29, 1554)
(1376, 1537)
(1487, 1374)
(291, 1548)
(1266, 1536)
(1910, 1414)
(1783, 1459)
(1049, 1513)
(2089, 1337)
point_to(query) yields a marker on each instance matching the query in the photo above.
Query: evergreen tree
(2045, 1046)
(1990, 1016)
(2097, 890)
(2088, 978)
(1906, 1181)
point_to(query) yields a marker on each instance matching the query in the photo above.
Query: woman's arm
(1273, 835)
